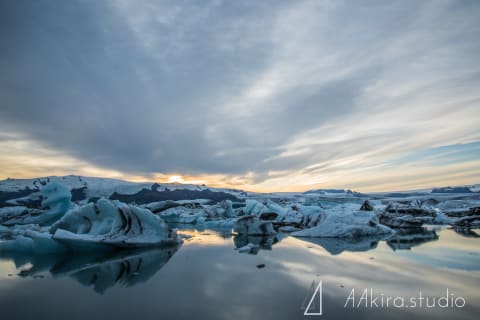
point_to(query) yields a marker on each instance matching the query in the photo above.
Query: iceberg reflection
(100, 270)
(338, 245)
(405, 239)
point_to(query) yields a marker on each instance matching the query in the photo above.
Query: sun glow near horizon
(175, 179)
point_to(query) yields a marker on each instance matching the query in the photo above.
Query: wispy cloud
(271, 95)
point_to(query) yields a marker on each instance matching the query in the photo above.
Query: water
(207, 279)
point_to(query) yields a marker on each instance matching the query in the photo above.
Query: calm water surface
(206, 278)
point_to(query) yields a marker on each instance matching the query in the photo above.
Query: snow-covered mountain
(334, 192)
(26, 191)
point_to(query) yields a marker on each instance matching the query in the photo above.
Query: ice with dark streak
(63, 226)
(112, 223)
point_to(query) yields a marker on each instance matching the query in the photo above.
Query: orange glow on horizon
(25, 159)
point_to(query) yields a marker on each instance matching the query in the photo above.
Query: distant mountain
(27, 191)
(145, 196)
(335, 192)
(452, 190)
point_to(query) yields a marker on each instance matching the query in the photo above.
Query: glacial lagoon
(208, 278)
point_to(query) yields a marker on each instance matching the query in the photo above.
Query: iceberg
(366, 206)
(29, 241)
(182, 214)
(10, 216)
(406, 215)
(112, 223)
(56, 202)
(339, 224)
(252, 225)
(57, 198)
(63, 226)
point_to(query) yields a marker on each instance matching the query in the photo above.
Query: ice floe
(405, 215)
(252, 225)
(63, 226)
(112, 223)
(346, 225)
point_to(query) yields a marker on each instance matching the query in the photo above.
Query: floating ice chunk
(20, 244)
(19, 215)
(366, 206)
(346, 225)
(57, 200)
(406, 215)
(441, 218)
(32, 242)
(311, 215)
(252, 225)
(159, 206)
(112, 223)
(276, 208)
(254, 207)
(223, 209)
(457, 208)
(470, 221)
(182, 214)
(7, 212)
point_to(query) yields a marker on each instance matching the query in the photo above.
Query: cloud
(247, 91)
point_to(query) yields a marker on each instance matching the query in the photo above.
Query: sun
(175, 179)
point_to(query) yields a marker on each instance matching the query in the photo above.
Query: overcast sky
(261, 95)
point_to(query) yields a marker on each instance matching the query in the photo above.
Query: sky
(256, 95)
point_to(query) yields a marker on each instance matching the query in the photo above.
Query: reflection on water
(260, 242)
(208, 279)
(466, 232)
(100, 270)
(405, 239)
(336, 246)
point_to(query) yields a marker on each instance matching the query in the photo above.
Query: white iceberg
(28, 241)
(57, 198)
(223, 209)
(340, 224)
(182, 214)
(253, 207)
(56, 202)
(112, 223)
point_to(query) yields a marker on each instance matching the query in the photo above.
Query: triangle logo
(314, 307)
